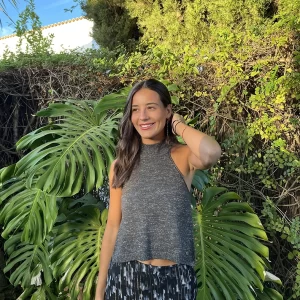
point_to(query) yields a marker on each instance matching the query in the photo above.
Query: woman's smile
(149, 115)
(146, 126)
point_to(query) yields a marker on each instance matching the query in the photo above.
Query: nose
(143, 115)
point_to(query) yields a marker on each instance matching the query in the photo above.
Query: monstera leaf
(72, 154)
(6, 174)
(27, 261)
(76, 250)
(268, 294)
(30, 209)
(40, 293)
(112, 101)
(230, 258)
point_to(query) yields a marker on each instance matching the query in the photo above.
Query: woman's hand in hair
(204, 151)
(176, 119)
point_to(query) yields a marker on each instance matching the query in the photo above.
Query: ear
(169, 110)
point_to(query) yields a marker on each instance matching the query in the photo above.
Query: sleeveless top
(156, 211)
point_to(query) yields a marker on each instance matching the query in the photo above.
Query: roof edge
(48, 26)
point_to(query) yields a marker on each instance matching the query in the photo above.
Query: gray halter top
(156, 211)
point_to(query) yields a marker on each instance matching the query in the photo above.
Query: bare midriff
(158, 262)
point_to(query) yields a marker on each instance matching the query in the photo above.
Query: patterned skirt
(134, 280)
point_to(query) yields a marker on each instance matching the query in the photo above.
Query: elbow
(212, 157)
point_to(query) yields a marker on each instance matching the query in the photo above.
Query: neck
(152, 142)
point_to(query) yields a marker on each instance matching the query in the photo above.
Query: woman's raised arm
(204, 150)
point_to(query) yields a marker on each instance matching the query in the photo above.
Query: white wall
(68, 34)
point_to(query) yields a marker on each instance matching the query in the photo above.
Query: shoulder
(111, 172)
(112, 167)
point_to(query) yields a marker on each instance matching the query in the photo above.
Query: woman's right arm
(110, 235)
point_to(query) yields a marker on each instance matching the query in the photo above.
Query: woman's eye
(151, 107)
(134, 110)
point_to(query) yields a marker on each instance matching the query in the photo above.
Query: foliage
(28, 211)
(33, 208)
(237, 67)
(60, 170)
(33, 37)
(30, 206)
(77, 248)
(111, 19)
(27, 261)
(289, 230)
(231, 260)
(71, 59)
(29, 82)
(236, 64)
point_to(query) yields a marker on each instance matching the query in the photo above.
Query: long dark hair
(129, 145)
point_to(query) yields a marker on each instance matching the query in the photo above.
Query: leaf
(172, 87)
(268, 294)
(26, 293)
(42, 292)
(78, 154)
(7, 173)
(76, 251)
(113, 101)
(175, 100)
(39, 139)
(30, 209)
(271, 277)
(26, 261)
(230, 260)
(200, 179)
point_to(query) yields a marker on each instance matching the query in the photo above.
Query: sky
(49, 11)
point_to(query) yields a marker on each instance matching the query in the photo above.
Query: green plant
(33, 37)
(77, 247)
(81, 132)
(237, 65)
(278, 223)
(41, 220)
(231, 260)
(61, 155)
(113, 25)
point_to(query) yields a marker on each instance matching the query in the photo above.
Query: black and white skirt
(134, 280)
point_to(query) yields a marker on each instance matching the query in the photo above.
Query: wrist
(181, 129)
(175, 123)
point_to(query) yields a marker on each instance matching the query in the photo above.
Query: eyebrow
(150, 103)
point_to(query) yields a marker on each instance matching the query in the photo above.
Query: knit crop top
(156, 211)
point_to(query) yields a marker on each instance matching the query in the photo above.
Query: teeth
(146, 126)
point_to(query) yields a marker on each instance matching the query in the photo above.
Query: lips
(146, 126)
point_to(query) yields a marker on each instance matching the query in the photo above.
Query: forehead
(144, 96)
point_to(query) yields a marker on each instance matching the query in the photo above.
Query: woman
(148, 248)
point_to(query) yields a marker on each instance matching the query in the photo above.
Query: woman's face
(148, 115)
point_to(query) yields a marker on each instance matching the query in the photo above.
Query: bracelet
(175, 121)
(176, 126)
(183, 132)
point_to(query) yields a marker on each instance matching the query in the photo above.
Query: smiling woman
(148, 244)
(149, 116)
